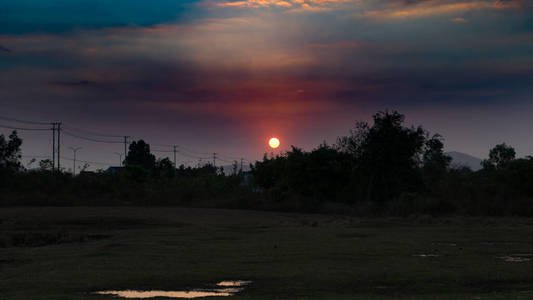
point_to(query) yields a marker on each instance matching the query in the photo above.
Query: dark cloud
(252, 74)
(4, 49)
(57, 16)
(80, 83)
(409, 2)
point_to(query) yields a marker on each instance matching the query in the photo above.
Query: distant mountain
(460, 159)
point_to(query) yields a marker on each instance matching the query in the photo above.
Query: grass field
(67, 253)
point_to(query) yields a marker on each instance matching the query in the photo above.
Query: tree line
(382, 168)
(388, 168)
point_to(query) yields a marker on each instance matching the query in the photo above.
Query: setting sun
(273, 143)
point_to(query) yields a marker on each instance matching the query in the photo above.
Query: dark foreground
(67, 253)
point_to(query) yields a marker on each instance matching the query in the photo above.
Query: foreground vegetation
(67, 253)
(380, 169)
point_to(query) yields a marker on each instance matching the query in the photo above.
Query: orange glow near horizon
(273, 143)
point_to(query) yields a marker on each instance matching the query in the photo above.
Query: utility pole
(56, 126)
(120, 158)
(175, 166)
(214, 159)
(53, 146)
(74, 150)
(125, 146)
(59, 147)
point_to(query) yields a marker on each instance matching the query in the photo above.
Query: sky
(225, 75)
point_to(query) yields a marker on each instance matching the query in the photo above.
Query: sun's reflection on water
(223, 289)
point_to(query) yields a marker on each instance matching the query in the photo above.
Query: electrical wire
(193, 151)
(162, 151)
(90, 139)
(35, 156)
(87, 161)
(75, 132)
(23, 128)
(193, 156)
(23, 121)
(83, 131)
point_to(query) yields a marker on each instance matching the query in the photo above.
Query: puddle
(517, 257)
(236, 283)
(222, 289)
(426, 255)
(169, 294)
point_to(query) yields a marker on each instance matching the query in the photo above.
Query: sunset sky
(224, 76)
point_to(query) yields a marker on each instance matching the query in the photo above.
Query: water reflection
(168, 294)
(224, 289)
(426, 255)
(517, 258)
(235, 283)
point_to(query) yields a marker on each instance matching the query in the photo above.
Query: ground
(68, 253)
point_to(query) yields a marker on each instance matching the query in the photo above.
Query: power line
(58, 146)
(230, 157)
(227, 161)
(174, 148)
(120, 158)
(161, 151)
(125, 147)
(24, 128)
(69, 158)
(74, 150)
(53, 145)
(193, 156)
(182, 148)
(66, 125)
(91, 136)
(91, 139)
(198, 156)
(35, 156)
(83, 131)
(161, 145)
(193, 151)
(177, 152)
(89, 162)
(23, 121)
(185, 151)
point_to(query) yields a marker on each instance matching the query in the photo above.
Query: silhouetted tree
(84, 167)
(388, 157)
(394, 169)
(46, 165)
(164, 168)
(139, 155)
(519, 174)
(235, 168)
(434, 160)
(434, 167)
(305, 178)
(10, 152)
(353, 144)
(499, 156)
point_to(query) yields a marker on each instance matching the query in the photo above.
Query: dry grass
(66, 253)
